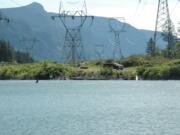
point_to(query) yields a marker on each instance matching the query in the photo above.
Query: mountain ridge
(32, 21)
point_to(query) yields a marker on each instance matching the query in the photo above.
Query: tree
(177, 50)
(6, 51)
(23, 57)
(9, 54)
(169, 36)
(151, 50)
(179, 29)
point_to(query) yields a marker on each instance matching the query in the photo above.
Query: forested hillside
(9, 54)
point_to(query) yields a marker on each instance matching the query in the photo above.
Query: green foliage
(166, 71)
(129, 75)
(6, 52)
(168, 36)
(109, 73)
(177, 50)
(156, 60)
(151, 50)
(106, 72)
(43, 71)
(9, 54)
(23, 57)
(174, 72)
(134, 61)
(148, 68)
(49, 70)
(171, 53)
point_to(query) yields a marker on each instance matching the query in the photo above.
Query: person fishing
(37, 81)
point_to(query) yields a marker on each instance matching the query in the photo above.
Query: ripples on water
(89, 108)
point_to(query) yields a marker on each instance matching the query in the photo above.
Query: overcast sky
(139, 13)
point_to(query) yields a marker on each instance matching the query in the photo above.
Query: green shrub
(134, 61)
(166, 71)
(174, 72)
(106, 72)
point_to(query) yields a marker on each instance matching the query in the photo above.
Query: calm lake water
(90, 108)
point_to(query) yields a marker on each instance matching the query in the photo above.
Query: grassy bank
(166, 71)
(49, 70)
(147, 68)
(154, 68)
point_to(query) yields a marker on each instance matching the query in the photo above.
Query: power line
(138, 10)
(174, 9)
(117, 28)
(29, 44)
(73, 22)
(137, 7)
(164, 24)
(100, 50)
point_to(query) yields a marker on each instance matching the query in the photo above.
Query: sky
(138, 13)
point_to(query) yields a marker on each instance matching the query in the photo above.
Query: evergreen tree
(6, 51)
(179, 29)
(151, 50)
(9, 54)
(169, 36)
(177, 50)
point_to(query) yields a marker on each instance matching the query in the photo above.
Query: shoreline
(134, 68)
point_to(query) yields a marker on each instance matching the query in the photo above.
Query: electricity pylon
(73, 21)
(100, 50)
(164, 25)
(117, 28)
(28, 44)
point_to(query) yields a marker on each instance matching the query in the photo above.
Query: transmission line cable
(175, 7)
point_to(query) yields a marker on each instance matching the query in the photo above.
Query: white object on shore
(137, 78)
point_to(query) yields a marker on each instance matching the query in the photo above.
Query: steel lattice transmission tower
(164, 24)
(29, 44)
(100, 50)
(73, 21)
(117, 28)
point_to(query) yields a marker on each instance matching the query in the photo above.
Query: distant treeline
(171, 51)
(9, 54)
(148, 67)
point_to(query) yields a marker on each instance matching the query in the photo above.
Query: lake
(90, 108)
